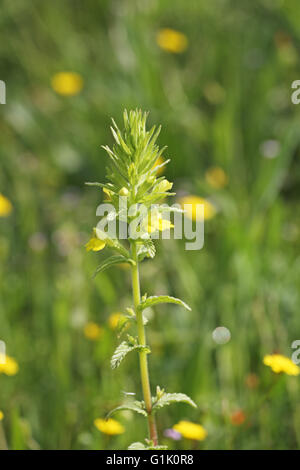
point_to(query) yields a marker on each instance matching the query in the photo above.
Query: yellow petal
(109, 426)
(8, 365)
(95, 244)
(191, 430)
(280, 363)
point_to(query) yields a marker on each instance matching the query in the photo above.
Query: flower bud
(123, 192)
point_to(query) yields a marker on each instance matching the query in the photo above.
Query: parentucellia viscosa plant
(133, 183)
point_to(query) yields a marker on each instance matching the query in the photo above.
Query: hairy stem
(142, 354)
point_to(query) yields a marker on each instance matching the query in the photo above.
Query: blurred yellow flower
(172, 41)
(67, 83)
(92, 331)
(191, 430)
(114, 319)
(5, 206)
(216, 177)
(192, 201)
(8, 365)
(279, 363)
(1, 415)
(110, 426)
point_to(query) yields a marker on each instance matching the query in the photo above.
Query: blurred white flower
(270, 148)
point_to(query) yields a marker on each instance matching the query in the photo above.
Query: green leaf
(95, 183)
(136, 406)
(161, 299)
(137, 446)
(169, 398)
(122, 350)
(111, 261)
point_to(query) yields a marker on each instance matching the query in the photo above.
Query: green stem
(142, 341)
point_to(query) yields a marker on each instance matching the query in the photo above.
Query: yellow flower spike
(8, 365)
(1, 415)
(67, 83)
(191, 430)
(172, 41)
(279, 363)
(5, 206)
(216, 177)
(209, 208)
(92, 331)
(110, 427)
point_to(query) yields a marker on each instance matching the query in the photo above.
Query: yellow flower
(114, 320)
(190, 430)
(192, 201)
(110, 426)
(67, 83)
(172, 41)
(1, 415)
(8, 365)
(94, 244)
(5, 206)
(279, 363)
(158, 223)
(92, 331)
(216, 177)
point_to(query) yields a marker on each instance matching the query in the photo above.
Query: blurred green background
(224, 100)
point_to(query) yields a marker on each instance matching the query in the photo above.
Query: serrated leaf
(111, 261)
(122, 350)
(136, 406)
(169, 398)
(137, 446)
(161, 299)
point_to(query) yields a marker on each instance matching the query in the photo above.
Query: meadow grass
(223, 98)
